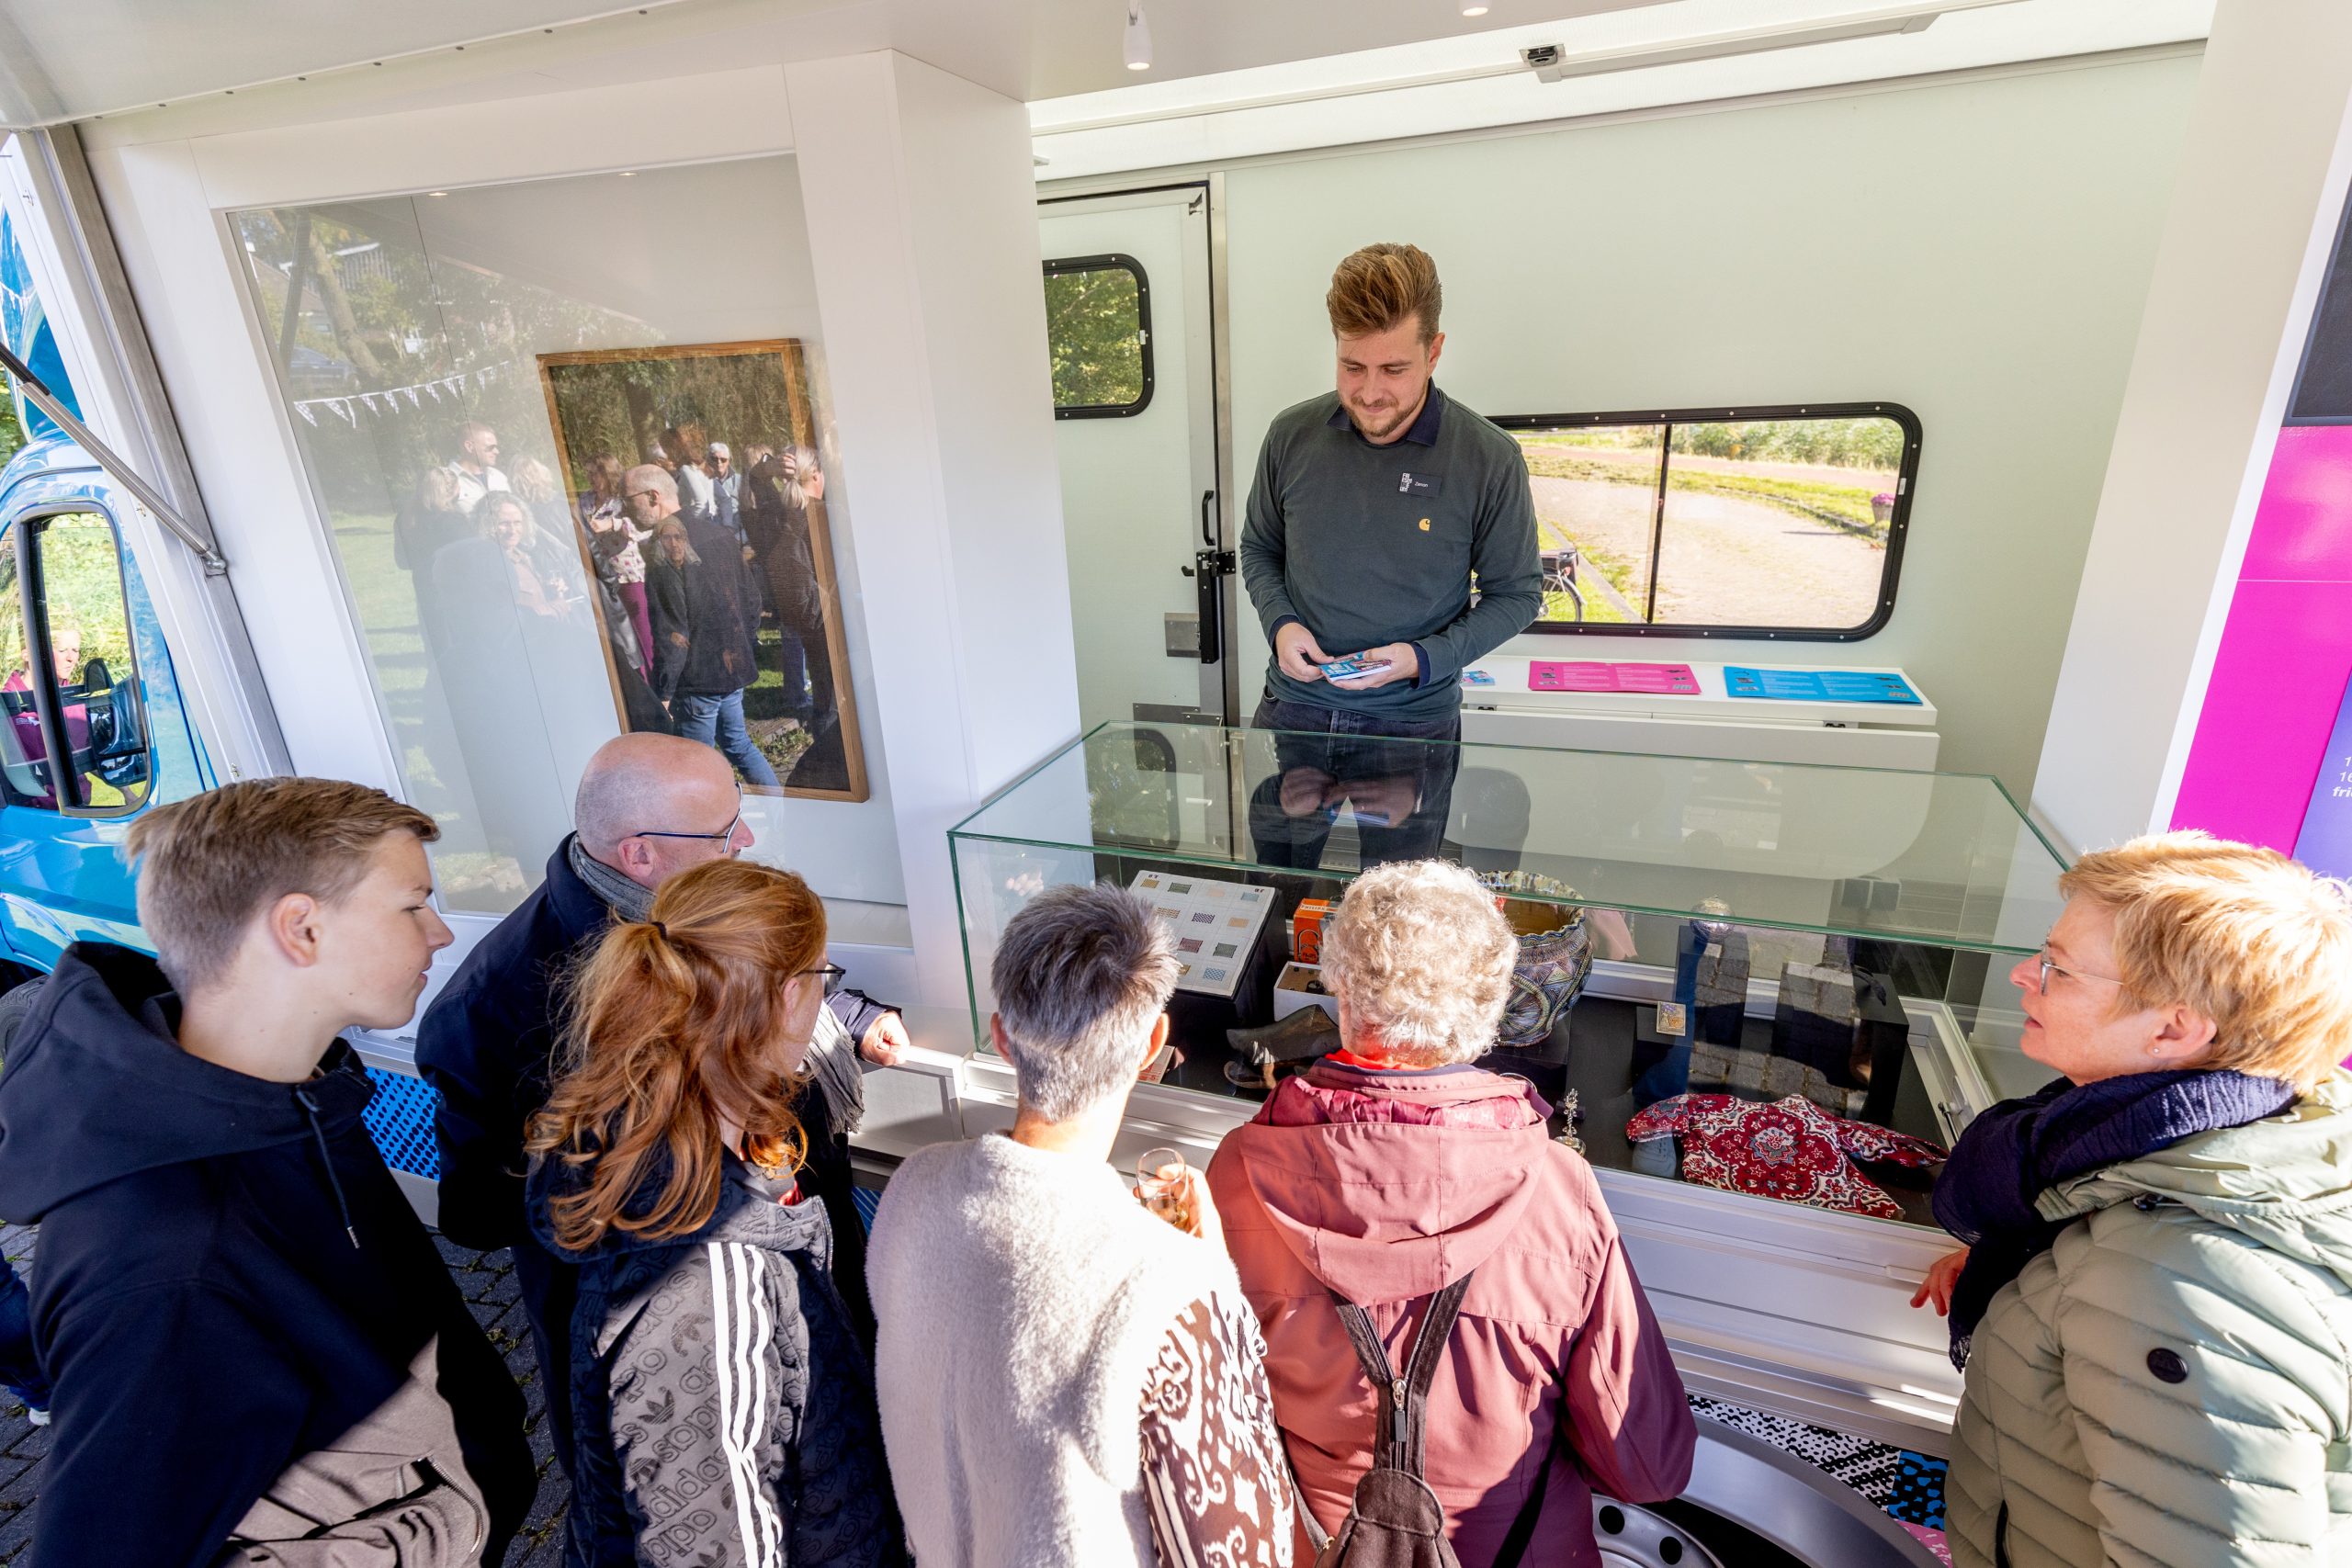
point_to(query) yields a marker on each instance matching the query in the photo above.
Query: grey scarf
(832, 1055)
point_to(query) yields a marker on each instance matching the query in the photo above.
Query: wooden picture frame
(603, 399)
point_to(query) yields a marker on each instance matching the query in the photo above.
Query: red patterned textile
(1790, 1149)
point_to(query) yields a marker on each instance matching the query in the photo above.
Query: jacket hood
(749, 1210)
(1390, 1185)
(96, 1088)
(2284, 1181)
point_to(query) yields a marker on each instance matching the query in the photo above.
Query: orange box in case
(1306, 930)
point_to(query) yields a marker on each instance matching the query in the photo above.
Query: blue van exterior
(62, 878)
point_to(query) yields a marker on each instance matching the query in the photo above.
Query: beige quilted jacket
(2170, 1385)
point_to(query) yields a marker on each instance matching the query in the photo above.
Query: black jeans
(1401, 786)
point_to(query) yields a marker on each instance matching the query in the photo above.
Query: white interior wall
(1977, 250)
(753, 279)
(919, 201)
(922, 224)
(2245, 247)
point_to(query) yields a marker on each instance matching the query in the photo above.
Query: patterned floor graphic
(1909, 1486)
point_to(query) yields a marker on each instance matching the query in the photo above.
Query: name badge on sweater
(1417, 484)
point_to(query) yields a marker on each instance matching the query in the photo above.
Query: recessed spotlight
(628, 174)
(1474, 7)
(437, 193)
(1138, 38)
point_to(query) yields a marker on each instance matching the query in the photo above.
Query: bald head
(652, 493)
(660, 783)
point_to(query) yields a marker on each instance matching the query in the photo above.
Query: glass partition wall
(1789, 981)
(470, 376)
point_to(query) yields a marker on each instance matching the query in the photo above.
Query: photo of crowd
(705, 562)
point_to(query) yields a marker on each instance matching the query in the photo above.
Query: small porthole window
(1098, 333)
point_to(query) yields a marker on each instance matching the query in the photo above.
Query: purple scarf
(2013, 1152)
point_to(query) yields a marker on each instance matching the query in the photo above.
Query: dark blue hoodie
(228, 1278)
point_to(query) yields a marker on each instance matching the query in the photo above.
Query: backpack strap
(1401, 1430)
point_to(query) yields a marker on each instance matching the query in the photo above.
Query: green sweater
(1369, 545)
(2170, 1385)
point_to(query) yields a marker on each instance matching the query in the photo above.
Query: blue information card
(1820, 686)
(2326, 843)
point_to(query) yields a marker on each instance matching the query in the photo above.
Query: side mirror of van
(97, 680)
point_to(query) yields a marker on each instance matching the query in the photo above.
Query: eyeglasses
(634, 493)
(2050, 966)
(724, 836)
(834, 973)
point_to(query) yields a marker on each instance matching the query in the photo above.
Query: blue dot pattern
(400, 1118)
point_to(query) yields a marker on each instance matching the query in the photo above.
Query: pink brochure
(1597, 676)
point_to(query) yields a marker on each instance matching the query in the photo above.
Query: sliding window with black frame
(1779, 522)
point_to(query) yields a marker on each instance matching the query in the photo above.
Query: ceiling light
(1474, 7)
(1138, 38)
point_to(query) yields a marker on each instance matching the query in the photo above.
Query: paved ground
(486, 1280)
(1725, 559)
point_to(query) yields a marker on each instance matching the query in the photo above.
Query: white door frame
(1207, 358)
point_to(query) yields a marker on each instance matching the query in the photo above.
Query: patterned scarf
(2013, 1152)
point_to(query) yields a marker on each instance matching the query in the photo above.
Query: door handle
(1209, 519)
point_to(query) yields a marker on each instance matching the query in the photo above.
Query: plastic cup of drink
(1163, 1186)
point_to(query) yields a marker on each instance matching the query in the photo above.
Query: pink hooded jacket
(1383, 1187)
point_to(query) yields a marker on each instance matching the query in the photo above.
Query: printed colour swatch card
(1611, 675)
(1216, 925)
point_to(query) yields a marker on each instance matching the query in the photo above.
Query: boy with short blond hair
(257, 1352)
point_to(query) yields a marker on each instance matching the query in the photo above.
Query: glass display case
(1782, 981)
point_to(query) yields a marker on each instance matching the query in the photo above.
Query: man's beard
(1396, 421)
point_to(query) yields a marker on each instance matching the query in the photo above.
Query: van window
(24, 756)
(1098, 330)
(81, 622)
(1785, 521)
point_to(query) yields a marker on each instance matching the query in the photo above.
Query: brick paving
(487, 1281)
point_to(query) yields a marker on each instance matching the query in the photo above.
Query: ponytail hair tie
(661, 930)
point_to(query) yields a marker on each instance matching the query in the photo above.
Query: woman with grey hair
(1395, 1176)
(1064, 1376)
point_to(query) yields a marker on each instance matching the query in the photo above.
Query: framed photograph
(714, 589)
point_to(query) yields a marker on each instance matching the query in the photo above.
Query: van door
(1127, 298)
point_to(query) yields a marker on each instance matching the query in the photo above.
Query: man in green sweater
(1374, 508)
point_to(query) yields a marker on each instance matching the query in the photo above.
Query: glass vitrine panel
(1700, 940)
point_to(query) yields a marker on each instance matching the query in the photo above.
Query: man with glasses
(475, 467)
(648, 806)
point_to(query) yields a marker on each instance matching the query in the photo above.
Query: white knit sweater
(1023, 1296)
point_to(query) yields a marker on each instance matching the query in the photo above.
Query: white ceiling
(70, 59)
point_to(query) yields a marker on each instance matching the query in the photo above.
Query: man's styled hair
(1079, 975)
(2243, 935)
(1379, 286)
(209, 863)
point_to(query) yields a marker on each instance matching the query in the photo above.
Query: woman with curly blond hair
(1395, 1175)
(723, 1405)
(2154, 1308)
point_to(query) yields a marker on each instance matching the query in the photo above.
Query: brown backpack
(1396, 1521)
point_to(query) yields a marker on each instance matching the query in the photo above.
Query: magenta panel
(2286, 652)
(2303, 530)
